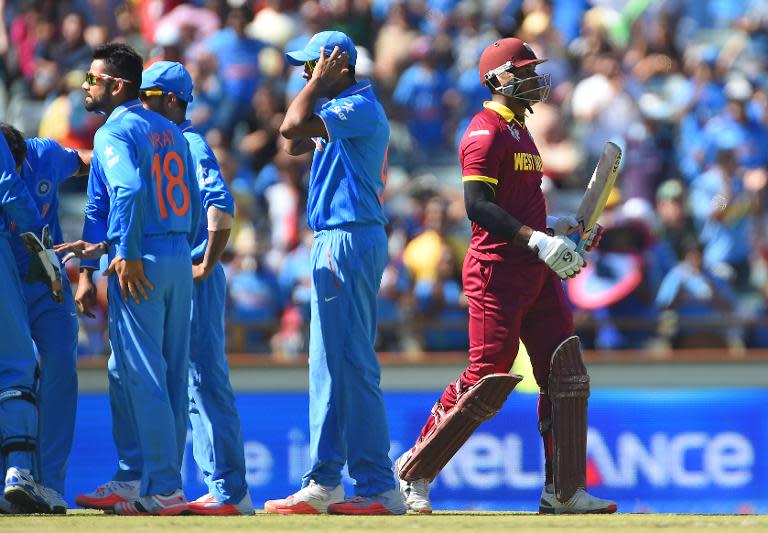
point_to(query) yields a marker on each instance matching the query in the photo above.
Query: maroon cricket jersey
(498, 150)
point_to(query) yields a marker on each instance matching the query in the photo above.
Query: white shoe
(415, 493)
(22, 490)
(312, 499)
(110, 493)
(55, 500)
(581, 502)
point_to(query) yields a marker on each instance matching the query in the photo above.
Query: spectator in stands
(394, 41)
(737, 128)
(693, 292)
(675, 225)
(420, 94)
(238, 62)
(441, 306)
(254, 294)
(423, 254)
(723, 210)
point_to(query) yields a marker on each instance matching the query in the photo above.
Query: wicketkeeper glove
(558, 252)
(44, 264)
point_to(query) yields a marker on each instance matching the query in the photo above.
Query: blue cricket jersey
(141, 183)
(47, 164)
(213, 189)
(18, 208)
(349, 169)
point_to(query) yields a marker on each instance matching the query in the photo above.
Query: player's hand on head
(330, 67)
(558, 252)
(130, 276)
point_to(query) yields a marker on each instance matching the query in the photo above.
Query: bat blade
(596, 195)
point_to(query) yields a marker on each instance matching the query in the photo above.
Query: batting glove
(44, 264)
(559, 253)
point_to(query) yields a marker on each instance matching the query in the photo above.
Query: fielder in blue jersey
(18, 367)
(43, 164)
(143, 208)
(348, 424)
(166, 88)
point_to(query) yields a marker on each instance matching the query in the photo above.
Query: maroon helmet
(505, 55)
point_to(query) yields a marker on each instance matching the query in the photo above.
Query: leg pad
(474, 406)
(568, 391)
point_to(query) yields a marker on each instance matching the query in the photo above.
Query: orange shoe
(312, 499)
(110, 493)
(208, 505)
(386, 503)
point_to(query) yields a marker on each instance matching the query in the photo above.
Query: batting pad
(568, 392)
(476, 405)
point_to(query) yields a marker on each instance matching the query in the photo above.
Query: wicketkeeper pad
(474, 406)
(568, 392)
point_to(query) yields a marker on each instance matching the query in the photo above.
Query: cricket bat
(598, 190)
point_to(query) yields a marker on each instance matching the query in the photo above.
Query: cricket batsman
(512, 276)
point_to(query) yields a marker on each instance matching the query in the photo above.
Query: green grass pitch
(480, 522)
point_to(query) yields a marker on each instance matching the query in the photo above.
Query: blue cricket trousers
(150, 365)
(217, 443)
(347, 416)
(54, 329)
(18, 412)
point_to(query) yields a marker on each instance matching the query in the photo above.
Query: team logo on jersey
(44, 187)
(514, 132)
(341, 109)
(112, 158)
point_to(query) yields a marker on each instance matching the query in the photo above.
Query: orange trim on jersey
(484, 179)
(505, 112)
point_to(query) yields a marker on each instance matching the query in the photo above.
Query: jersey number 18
(166, 180)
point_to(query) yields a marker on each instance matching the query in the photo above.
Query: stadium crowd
(680, 85)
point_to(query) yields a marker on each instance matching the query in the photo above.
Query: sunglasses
(309, 66)
(152, 92)
(91, 77)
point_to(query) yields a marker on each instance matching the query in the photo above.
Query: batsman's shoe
(55, 500)
(415, 493)
(174, 503)
(110, 493)
(22, 490)
(581, 502)
(207, 505)
(312, 499)
(386, 503)
(7, 507)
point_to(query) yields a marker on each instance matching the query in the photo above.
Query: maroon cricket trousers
(509, 302)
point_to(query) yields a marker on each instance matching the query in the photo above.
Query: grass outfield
(482, 522)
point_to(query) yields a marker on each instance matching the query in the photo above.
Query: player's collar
(122, 108)
(353, 89)
(186, 125)
(505, 112)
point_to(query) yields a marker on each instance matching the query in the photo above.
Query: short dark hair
(122, 61)
(16, 142)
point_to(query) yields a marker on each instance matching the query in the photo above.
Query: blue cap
(169, 76)
(327, 40)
